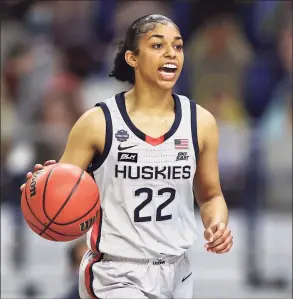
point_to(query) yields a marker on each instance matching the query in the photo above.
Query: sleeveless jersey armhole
(194, 129)
(98, 159)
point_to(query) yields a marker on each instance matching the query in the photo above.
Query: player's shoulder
(94, 118)
(203, 115)
(97, 114)
(206, 123)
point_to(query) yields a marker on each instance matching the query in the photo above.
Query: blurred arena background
(55, 61)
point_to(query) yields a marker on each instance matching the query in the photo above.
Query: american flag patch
(181, 143)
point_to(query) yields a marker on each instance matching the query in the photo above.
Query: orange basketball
(60, 202)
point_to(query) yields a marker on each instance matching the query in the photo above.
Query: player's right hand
(37, 168)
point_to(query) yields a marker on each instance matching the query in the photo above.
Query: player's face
(160, 57)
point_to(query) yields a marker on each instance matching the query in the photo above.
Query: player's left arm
(213, 208)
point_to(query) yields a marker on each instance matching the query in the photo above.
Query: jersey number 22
(149, 192)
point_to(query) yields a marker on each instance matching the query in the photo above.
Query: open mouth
(168, 70)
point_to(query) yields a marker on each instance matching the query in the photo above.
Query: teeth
(170, 65)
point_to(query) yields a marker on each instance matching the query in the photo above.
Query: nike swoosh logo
(184, 278)
(120, 148)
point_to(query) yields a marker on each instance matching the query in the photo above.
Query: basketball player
(148, 149)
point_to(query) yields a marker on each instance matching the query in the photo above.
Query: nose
(170, 52)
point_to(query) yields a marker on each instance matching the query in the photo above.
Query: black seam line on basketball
(44, 193)
(75, 220)
(64, 204)
(40, 230)
(50, 229)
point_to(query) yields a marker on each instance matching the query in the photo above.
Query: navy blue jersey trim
(194, 129)
(99, 159)
(100, 230)
(178, 117)
(120, 100)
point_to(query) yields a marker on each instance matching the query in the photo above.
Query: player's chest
(153, 126)
(136, 151)
(171, 160)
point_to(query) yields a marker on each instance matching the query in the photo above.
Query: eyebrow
(162, 36)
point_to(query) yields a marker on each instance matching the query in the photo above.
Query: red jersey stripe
(94, 236)
(96, 231)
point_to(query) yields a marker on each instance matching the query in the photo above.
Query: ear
(131, 59)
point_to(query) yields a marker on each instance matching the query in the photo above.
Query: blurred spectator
(17, 65)
(7, 121)
(27, 70)
(75, 254)
(12, 32)
(268, 17)
(39, 17)
(62, 102)
(26, 67)
(65, 15)
(128, 11)
(7, 128)
(270, 166)
(218, 54)
(265, 70)
(277, 126)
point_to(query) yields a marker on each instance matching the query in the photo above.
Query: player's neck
(150, 100)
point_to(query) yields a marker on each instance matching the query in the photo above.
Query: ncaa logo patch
(122, 135)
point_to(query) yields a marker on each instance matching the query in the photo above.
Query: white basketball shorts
(104, 276)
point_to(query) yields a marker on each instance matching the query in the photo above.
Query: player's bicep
(207, 181)
(83, 140)
(77, 151)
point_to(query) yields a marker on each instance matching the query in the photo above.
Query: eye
(157, 46)
(179, 47)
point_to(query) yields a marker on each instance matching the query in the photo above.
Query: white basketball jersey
(146, 185)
